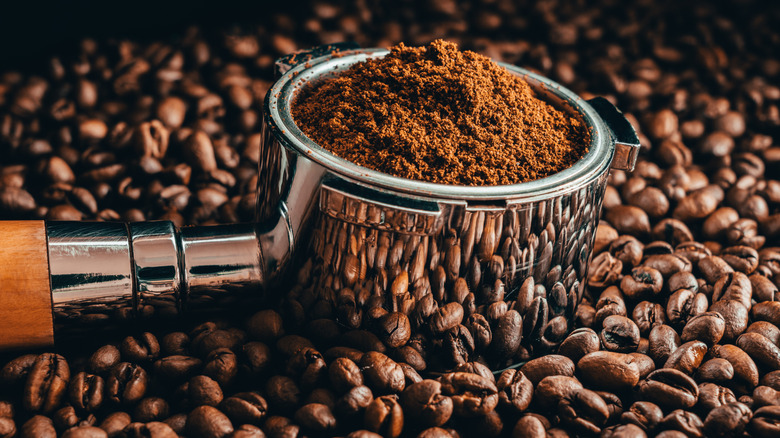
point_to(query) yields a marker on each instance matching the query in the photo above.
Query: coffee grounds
(442, 115)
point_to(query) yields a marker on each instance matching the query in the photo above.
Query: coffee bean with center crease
(47, 382)
(765, 422)
(138, 349)
(126, 383)
(669, 387)
(515, 390)
(619, 334)
(583, 410)
(472, 395)
(727, 420)
(245, 408)
(86, 391)
(385, 416)
(425, 403)
(446, 318)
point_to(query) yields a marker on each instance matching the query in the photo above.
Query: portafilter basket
(365, 244)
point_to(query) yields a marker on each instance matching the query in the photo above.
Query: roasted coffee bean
(707, 327)
(472, 395)
(16, 371)
(47, 382)
(203, 390)
(143, 348)
(687, 357)
(669, 387)
(178, 368)
(514, 390)
(644, 414)
(394, 329)
(115, 423)
(765, 422)
(619, 334)
(579, 343)
(727, 420)
(583, 410)
(685, 422)
(381, 373)
(315, 417)
(245, 408)
(354, 401)
(609, 370)
(208, 421)
(760, 348)
(385, 416)
(151, 409)
(642, 283)
(647, 315)
(715, 370)
(550, 365)
(282, 392)
(86, 391)
(712, 395)
(552, 389)
(38, 426)
(85, 432)
(507, 335)
(126, 383)
(425, 403)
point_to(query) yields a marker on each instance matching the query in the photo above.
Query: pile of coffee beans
(679, 330)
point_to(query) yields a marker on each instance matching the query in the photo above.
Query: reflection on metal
(107, 273)
(411, 246)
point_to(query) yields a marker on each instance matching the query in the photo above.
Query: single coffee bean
(47, 382)
(472, 395)
(619, 334)
(425, 403)
(727, 420)
(115, 423)
(245, 408)
(712, 395)
(86, 391)
(644, 414)
(38, 426)
(282, 392)
(583, 410)
(203, 390)
(126, 383)
(579, 343)
(765, 422)
(550, 365)
(354, 401)
(687, 357)
(715, 370)
(382, 374)
(85, 432)
(143, 348)
(685, 422)
(178, 368)
(608, 370)
(151, 409)
(208, 421)
(708, 327)
(315, 417)
(515, 390)
(385, 416)
(669, 387)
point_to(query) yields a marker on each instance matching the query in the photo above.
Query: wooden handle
(26, 319)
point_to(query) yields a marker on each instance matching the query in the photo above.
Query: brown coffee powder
(442, 115)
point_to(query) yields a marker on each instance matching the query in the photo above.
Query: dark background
(31, 30)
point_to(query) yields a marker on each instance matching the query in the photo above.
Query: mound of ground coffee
(442, 115)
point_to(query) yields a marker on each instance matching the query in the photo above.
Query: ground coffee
(442, 115)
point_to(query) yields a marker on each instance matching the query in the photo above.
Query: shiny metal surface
(156, 266)
(90, 269)
(364, 240)
(106, 273)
